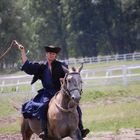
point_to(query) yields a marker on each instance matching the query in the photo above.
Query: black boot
(84, 132)
(44, 134)
(43, 120)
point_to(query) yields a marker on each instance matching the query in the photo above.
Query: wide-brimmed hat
(52, 48)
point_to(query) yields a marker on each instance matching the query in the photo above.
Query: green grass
(112, 107)
(10, 128)
(111, 91)
(112, 117)
(105, 108)
(98, 115)
(5, 107)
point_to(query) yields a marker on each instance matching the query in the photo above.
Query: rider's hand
(19, 46)
(22, 50)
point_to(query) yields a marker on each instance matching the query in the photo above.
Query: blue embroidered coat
(50, 82)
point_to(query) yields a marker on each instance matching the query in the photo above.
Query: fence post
(3, 83)
(98, 59)
(124, 75)
(116, 57)
(124, 57)
(90, 60)
(133, 56)
(107, 59)
(108, 74)
(17, 86)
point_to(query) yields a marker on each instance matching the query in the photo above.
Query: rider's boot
(44, 134)
(43, 120)
(84, 132)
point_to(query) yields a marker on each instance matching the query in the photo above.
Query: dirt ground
(123, 134)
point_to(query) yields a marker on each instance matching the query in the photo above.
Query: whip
(13, 43)
(7, 50)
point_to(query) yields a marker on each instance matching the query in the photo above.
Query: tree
(11, 20)
(51, 27)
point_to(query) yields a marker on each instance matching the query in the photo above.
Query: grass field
(105, 108)
(111, 108)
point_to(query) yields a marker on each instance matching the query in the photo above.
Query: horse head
(72, 84)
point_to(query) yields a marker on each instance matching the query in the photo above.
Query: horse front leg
(76, 135)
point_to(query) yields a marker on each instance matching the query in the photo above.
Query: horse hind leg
(25, 130)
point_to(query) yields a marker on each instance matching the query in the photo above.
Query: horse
(62, 114)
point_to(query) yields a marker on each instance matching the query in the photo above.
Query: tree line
(80, 27)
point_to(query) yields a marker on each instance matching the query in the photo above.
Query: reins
(63, 109)
(67, 92)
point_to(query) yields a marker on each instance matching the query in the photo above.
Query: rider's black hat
(52, 48)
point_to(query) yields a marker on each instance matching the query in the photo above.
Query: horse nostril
(73, 97)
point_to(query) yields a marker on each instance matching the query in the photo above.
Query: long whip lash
(6, 51)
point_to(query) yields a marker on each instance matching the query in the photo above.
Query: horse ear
(81, 67)
(65, 69)
(61, 81)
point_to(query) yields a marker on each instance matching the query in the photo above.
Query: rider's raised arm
(23, 54)
(22, 50)
(28, 66)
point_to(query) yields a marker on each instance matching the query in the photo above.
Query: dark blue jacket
(50, 82)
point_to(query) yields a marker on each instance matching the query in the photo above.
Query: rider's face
(51, 56)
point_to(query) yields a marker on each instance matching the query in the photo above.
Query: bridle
(68, 92)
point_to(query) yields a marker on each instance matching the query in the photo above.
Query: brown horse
(62, 113)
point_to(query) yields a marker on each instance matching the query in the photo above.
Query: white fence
(14, 82)
(99, 59)
(123, 74)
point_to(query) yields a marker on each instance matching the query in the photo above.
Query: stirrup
(84, 132)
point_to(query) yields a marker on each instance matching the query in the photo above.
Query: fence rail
(76, 61)
(99, 59)
(123, 74)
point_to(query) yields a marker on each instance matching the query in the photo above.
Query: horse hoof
(84, 132)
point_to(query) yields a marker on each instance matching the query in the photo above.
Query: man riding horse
(50, 74)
